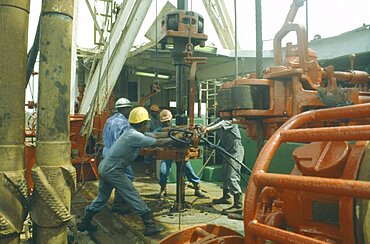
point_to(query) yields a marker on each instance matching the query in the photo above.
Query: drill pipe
(14, 17)
(53, 174)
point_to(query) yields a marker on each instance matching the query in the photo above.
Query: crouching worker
(165, 117)
(112, 173)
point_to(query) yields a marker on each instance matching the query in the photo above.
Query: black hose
(222, 150)
(32, 54)
(213, 146)
(187, 133)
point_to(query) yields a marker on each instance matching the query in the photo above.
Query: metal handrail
(260, 178)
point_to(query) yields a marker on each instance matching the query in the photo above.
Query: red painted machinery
(323, 199)
(83, 156)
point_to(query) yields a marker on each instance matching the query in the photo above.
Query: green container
(281, 163)
(212, 173)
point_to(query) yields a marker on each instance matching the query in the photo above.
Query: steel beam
(14, 17)
(53, 175)
(123, 34)
(220, 18)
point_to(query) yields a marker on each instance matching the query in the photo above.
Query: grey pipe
(53, 174)
(14, 17)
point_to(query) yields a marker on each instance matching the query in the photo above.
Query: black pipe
(32, 54)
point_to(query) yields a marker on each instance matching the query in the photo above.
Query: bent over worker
(113, 129)
(111, 173)
(165, 118)
(230, 140)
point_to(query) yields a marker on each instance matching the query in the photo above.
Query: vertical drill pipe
(236, 42)
(13, 55)
(182, 4)
(180, 185)
(258, 92)
(53, 174)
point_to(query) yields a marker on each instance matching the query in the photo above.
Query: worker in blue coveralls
(111, 173)
(230, 140)
(165, 118)
(114, 128)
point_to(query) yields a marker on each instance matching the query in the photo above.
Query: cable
(221, 149)
(213, 146)
(156, 42)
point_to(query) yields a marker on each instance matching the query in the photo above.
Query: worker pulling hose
(187, 140)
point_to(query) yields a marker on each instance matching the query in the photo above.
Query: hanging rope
(257, 92)
(236, 44)
(156, 42)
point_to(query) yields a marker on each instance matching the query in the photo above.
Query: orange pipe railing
(259, 178)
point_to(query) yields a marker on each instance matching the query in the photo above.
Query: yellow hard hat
(138, 115)
(154, 107)
(165, 115)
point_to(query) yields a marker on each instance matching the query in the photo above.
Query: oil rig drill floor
(117, 228)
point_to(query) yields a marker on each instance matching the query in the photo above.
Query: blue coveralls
(111, 172)
(230, 137)
(165, 169)
(113, 128)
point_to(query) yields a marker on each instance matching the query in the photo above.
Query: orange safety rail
(289, 132)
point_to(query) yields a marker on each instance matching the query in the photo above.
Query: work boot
(162, 192)
(225, 199)
(197, 191)
(85, 222)
(237, 207)
(150, 228)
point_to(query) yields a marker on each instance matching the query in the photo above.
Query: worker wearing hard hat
(116, 124)
(111, 173)
(165, 118)
(114, 128)
(230, 140)
(154, 122)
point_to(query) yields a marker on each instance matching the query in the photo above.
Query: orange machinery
(321, 200)
(85, 161)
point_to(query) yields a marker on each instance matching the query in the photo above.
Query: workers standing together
(122, 141)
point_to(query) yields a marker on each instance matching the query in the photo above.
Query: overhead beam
(220, 18)
(115, 54)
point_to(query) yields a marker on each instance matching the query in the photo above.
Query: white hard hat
(123, 103)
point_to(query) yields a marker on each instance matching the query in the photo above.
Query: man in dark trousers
(230, 140)
(112, 168)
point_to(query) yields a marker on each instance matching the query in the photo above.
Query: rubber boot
(237, 207)
(162, 192)
(150, 228)
(85, 222)
(197, 191)
(225, 199)
(119, 205)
